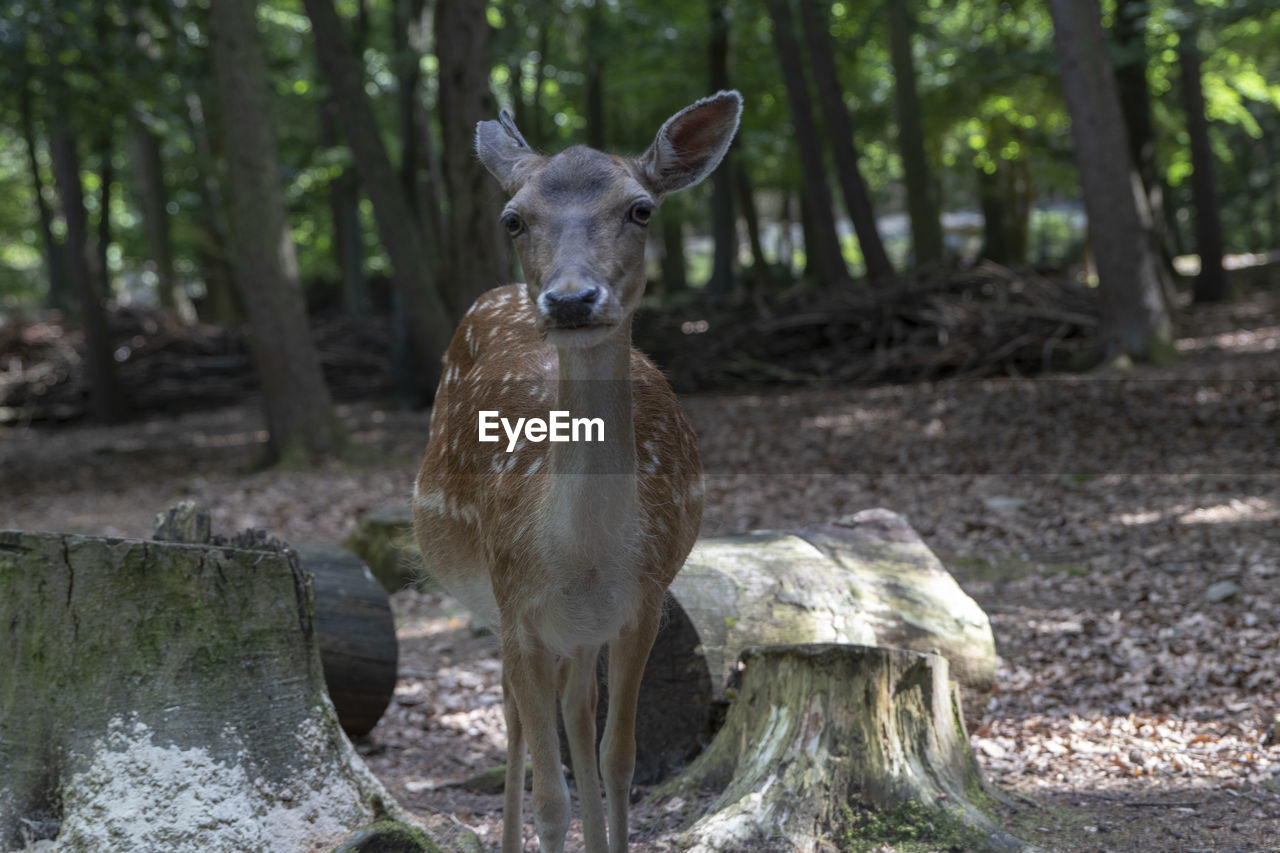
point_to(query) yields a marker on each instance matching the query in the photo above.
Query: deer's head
(579, 218)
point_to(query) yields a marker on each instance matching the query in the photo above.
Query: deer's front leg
(578, 705)
(530, 673)
(627, 657)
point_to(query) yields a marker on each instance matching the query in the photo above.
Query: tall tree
(822, 245)
(843, 147)
(1129, 31)
(1135, 320)
(477, 255)
(60, 288)
(1211, 282)
(299, 412)
(723, 231)
(427, 321)
(106, 399)
(922, 197)
(148, 179)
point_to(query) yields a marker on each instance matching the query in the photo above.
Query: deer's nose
(573, 308)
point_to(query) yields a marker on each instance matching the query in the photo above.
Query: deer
(567, 547)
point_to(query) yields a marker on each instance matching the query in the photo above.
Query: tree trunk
(157, 696)
(843, 148)
(995, 224)
(221, 303)
(102, 241)
(60, 289)
(675, 277)
(922, 200)
(823, 736)
(299, 412)
(107, 402)
(724, 236)
(1129, 30)
(760, 275)
(1134, 317)
(148, 177)
(406, 20)
(477, 254)
(344, 207)
(1211, 283)
(594, 62)
(428, 324)
(823, 254)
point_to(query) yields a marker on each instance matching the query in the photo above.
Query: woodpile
(990, 320)
(167, 365)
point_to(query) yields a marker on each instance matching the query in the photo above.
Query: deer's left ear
(506, 155)
(691, 143)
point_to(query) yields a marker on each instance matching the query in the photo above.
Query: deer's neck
(593, 483)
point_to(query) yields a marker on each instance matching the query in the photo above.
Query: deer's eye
(640, 212)
(513, 223)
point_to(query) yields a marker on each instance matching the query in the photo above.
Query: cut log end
(823, 735)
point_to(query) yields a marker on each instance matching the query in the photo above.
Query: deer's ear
(691, 143)
(504, 152)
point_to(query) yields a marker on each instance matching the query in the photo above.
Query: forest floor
(1121, 528)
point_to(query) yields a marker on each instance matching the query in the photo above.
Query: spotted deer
(562, 546)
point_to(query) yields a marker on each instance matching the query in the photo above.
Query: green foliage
(987, 83)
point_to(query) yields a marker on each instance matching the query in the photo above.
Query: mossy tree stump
(161, 696)
(823, 734)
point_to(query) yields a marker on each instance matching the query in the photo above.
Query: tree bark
(922, 199)
(724, 236)
(760, 275)
(299, 412)
(1132, 278)
(60, 289)
(823, 254)
(102, 241)
(148, 178)
(1129, 30)
(675, 277)
(843, 147)
(477, 254)
(821, 735)
(156, 696)
(427, 324)
(1211, 283)
(107, 402)
(344, 207)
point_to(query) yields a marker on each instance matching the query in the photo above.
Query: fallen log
(162, 696)
(821, 738)
(867, 579)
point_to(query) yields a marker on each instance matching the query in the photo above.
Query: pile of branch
(987, 321)
(167, 365)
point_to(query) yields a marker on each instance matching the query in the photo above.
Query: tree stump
(822, 736)
(159, 696)
(866, 579)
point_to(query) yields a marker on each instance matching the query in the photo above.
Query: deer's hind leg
(529, 677)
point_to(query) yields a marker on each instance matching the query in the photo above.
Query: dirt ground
(1122, 529)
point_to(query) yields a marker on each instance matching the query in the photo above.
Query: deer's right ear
(691, 143)
(504, 152)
